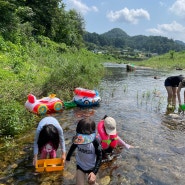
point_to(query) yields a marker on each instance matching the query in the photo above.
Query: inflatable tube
(45, 105)
(106, 140)
(84, 101)
(85, 92)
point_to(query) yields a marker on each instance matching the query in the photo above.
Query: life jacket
(106, 140)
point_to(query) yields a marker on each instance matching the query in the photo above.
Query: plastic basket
(49, 165)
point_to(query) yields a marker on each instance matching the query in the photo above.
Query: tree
(8, 20)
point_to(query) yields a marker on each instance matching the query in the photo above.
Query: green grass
(165, 61)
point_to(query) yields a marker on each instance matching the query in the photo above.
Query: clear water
(138, 103)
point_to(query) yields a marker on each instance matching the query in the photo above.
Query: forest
(23, 19)
(117, 39)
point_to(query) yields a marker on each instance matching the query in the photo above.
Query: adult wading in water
(173, 85)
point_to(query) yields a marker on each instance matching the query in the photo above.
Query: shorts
(84, 171)
(168, 83)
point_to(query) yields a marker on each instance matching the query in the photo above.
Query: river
(137, 101)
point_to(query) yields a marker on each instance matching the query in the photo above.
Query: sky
(135, 17)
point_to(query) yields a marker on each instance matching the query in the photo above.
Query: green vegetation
(42, 52)
(170, 60)
(40, 69)
(117, 42)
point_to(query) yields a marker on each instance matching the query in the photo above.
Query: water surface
(138, 103)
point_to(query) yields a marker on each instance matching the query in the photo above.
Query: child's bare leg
(80, 177)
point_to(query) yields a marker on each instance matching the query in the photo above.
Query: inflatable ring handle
(42, 109)
(58, 106)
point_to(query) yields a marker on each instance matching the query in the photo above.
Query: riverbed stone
(105, 180)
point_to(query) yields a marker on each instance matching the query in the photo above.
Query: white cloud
(130, 16)
(81, 7)
(178, 8)
(172, 30)
(94, 8)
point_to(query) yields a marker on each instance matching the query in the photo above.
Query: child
(89, 152)
(49, 135)
(108, 136)
(173, 85)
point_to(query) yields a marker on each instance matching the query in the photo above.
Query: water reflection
(138, 103)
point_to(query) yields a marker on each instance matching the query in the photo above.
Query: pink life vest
(106, 140)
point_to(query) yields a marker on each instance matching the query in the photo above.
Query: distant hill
(180, 42)
(119, 39)
(115, 33)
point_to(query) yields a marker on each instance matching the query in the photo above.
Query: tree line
(118, 39)
(22, 19)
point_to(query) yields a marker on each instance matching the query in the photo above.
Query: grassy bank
(168, 61)
(40, 68)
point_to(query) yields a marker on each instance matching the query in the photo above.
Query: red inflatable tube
(106, 140)
(84, 92)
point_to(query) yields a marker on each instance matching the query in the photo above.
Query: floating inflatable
(45, 105)
(86, 98)
(85, 92)
(69, 104)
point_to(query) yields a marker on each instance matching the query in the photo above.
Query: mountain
(119, 39)
(180, 42)
(115, 33)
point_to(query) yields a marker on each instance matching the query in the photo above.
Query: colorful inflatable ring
(44, 105)
(85, 92)
(86, 98)
(106, 140)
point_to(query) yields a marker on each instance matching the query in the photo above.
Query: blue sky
(135, 17)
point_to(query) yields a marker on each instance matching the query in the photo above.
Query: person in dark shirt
(89, 152)
(173, 85)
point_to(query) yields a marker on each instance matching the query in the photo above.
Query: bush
(14, 119)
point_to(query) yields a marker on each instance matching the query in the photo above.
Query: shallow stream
(138, 103)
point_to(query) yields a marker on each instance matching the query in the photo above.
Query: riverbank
(40, 69)
(48, 68)
(165, 62)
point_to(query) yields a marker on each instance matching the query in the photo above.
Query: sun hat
(110, 125)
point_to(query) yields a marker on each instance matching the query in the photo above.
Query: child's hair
(105, 116)
(86, 126)
(49, 133)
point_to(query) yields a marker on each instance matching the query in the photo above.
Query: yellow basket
(49, 165)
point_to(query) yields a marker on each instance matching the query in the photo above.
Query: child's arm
(98, 151)
(122, 143)
(70, 152)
